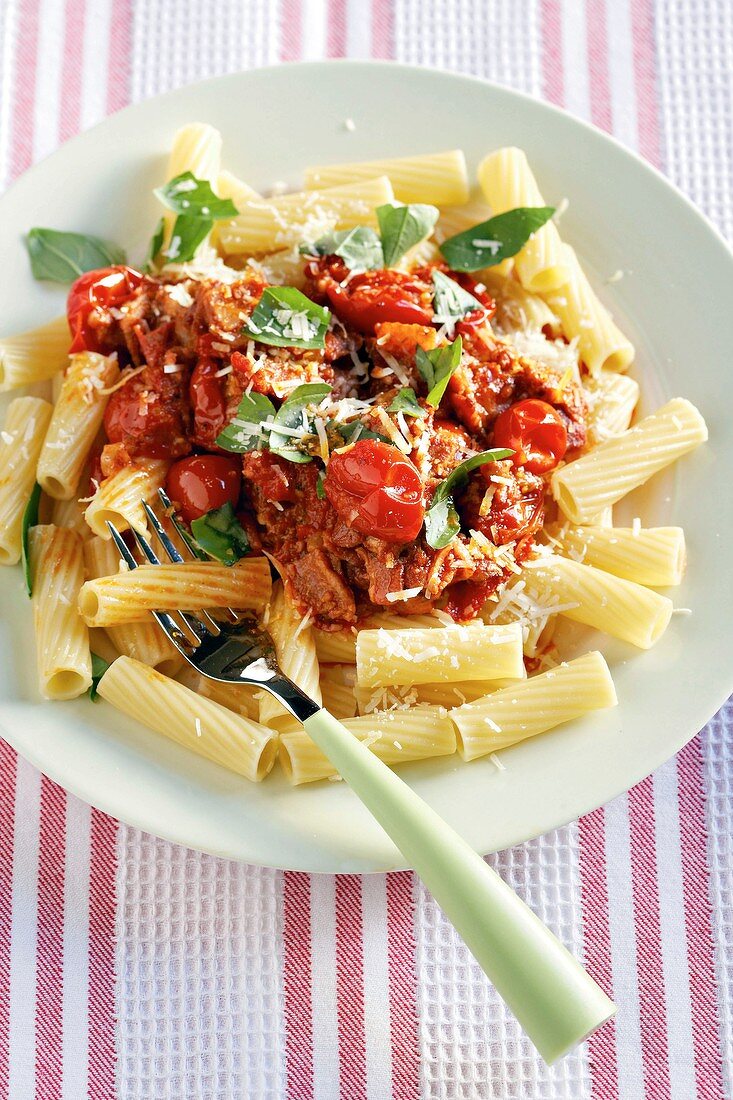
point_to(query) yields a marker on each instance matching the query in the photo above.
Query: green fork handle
(555, 1001)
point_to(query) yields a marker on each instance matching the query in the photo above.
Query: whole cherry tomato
(536, 434)
(208, 402)
(376, 490)
(378, 296)
(104, 288)
(203, 482)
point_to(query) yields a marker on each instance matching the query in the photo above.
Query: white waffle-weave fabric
(134, 969)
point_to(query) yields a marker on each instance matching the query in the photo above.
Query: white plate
(674, 301)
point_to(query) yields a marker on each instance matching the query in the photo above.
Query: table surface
(132, 968)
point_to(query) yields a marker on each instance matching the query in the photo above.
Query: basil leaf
(441, 519)
(355, 430)
(437, 366)
(243, 433)
(451, 302)
(156, 243)
(320, 490)
(30, 519)
(63, 257)
(185, 194)
(220, 534)
(406, 402)
(99, 667)
(291, 415)
(287, 319)
(495, 240)
(359, 248)
(187, 234)
(402, 227)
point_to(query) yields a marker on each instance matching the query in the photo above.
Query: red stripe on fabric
(291, 32)
(71, 70)
(337, 20)
(593, 868)
(383, 44)
(645, 79)
(120, 53)
(648, 932)
(553, 80)
(8, 781)
(24, 80)
(699, 924)
(600, 82)
(50, 942)
(102, 913)
(298, 994)
(402, 971)
(350, 988)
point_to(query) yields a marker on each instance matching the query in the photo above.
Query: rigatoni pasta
(118, 498)
(438, 178)
(35, 355)
(62, 639)
(653, 556)
(296, 655)
(21, 439)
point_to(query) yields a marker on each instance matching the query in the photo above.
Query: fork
(557, 1003)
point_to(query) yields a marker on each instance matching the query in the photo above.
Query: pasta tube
(601, 344)
(395, 737)
(612, 469)
(62, 639)
(118, 498)
(296, 655)
(438, 178)
(20, 445)
(77, 417)
(231, 187)
(588, 595)
(451, 653)
(34, 355)
(70, 513)
(339, 646)
(130, 597)
(445, 695)
(533, 706)
(198, 724)
(655, 556)
(338, 699)
(612, 399)
(241, 698)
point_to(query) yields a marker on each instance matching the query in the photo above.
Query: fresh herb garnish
(402, 227)
(30, 519)
(156, 243)
(220, 534)
(187, 234)
(495, 240)
(243, 434)
(406, 402)
(451, 302)
(287, 319)
(63, 257)
(359, 248)
(441, 519)
(291, 414)
(356, 430)
(320, 488)
(185, 194)
(99, 667)
(436, 368)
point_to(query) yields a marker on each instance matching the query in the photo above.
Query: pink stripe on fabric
(50, 942)
(298, 993)
(645, 79)
(8, 780)
(402, 970)
(699, 924)
(553, 81)
(337, 18)
(120, 54)
(291, 34)
(600, 83)
(350, 987)
(71, 70)
(602, 1054)
(24, 79)
(648, 933)
(102, 914)
(382, 29)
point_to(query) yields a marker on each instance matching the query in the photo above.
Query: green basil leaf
(359, 248)
(320, 490)
(187, 234)
(495, 240)
(355, 430)
(63, 257)
(99, 667)
(156, 243)
(30, 519)
(451, 302)
(287, 319)
(291, 415)
(243, 433)
(220, 534)
(402, 227)
(436, 368)
(406, 402)
(441, 519)
(185, 194)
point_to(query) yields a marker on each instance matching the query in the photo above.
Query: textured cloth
(132, 968)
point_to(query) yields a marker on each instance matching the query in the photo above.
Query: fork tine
(127, 555)
(163, 538)
(165, 500)
(145, 548)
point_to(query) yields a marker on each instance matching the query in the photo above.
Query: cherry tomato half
(203, 482)
(536, 434)
(208, 402)
(378, 296)
(376, 490)
(106, 287)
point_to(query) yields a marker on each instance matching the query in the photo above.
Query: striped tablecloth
(135, 969)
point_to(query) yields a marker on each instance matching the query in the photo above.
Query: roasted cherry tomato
(208, 402)
(203, 482)
(378, 296)
(376, 490)
(536, 434)
(104, 288)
